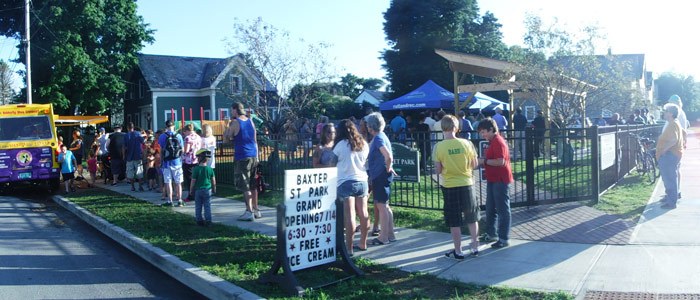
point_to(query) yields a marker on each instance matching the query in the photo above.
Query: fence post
(595, 162)
(530, 165)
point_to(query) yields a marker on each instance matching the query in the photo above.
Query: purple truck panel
(27, 165)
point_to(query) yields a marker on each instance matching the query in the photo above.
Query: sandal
(357, 248)
(377, 242)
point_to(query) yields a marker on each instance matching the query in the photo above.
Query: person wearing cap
(202, 186)
(669, 151)
(243, 134)
(683, 121)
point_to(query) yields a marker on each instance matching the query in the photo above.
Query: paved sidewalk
(661, 255)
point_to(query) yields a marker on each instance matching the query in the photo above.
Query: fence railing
(549, 166)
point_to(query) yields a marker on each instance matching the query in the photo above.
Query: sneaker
(180, 203)
(247, 216)
(167, 203)
(257, 214)
(453, 254)
(486, 238)
(474, 252)
(499, 244)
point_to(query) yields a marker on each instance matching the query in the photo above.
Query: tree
(352, 85)
(282, 62)
(6, 82)
(682, 85)
(415, 28)
(81, 50)
(566, 78)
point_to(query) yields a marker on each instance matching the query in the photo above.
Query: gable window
(235, 85)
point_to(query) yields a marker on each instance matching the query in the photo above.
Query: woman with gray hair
(381, 174)
(669, 151)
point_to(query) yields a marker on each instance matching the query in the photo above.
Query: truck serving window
(25, 128)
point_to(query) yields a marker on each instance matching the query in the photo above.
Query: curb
(205, 283)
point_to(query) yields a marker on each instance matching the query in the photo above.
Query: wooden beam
(488, 87)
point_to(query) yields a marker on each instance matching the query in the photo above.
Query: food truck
(28, 145)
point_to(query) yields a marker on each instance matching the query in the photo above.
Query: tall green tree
(415, 28)
(81, 50)
(679, 84)
(6, 82)
(352, 86)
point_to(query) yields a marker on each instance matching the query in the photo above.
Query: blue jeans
(498, 209)
(202, 199)
(668, 165)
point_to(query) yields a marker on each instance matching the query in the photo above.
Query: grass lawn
(627, 198)
(241, 256)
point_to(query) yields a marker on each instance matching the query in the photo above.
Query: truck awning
(80, 120)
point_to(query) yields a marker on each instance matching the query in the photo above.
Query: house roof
(184, 72)
(376, 94)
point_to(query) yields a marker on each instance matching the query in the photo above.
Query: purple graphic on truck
(27, 164)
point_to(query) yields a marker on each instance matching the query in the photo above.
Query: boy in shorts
(68, 166)
(455, 159)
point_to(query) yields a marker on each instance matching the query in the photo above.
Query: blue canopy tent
(432, 96)
(427, 96)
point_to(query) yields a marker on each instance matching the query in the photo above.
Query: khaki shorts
(244, 173)
(134, 169)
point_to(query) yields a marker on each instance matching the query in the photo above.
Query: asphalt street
(48, 253)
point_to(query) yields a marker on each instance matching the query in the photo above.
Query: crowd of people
(362, 152)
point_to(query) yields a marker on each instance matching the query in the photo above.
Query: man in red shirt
(498, 178)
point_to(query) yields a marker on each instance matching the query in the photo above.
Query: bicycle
(645, 159)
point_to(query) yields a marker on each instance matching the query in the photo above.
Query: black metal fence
(548, 166)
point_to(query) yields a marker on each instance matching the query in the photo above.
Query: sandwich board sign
(309, 227)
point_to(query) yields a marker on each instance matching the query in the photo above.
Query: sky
(660, 30)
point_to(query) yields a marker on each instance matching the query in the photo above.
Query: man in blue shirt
(172, 168)
(134, 156)
(398, 127)
(501, 121)
(242, 133)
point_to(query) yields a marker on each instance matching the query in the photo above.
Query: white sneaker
(246, 216)
(257, 214)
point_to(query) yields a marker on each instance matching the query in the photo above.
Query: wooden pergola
(462, 63)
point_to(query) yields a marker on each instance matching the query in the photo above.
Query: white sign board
(607, 150)
(309, 195)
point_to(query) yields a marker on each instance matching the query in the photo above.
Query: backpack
(173, 148)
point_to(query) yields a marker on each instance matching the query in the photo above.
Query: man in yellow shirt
(455, 160)
(669, 151)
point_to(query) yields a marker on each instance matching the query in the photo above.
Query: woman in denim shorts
(352, 151)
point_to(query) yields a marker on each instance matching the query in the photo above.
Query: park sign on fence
(309, 227)
(406, 163)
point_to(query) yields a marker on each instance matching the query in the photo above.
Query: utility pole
(28, 52)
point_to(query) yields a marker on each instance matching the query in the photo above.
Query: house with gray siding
(166, 87)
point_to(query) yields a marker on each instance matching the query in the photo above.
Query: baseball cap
(203, 153)
(102, 129)
(674, 99)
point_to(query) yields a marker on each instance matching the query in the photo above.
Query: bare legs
(386, 218)
(353, 206)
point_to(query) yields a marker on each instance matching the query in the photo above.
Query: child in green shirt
(202, 186)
